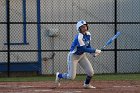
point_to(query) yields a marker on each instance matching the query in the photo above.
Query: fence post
(39, 36)
(24, 21)
(8, 35)
(115, 45)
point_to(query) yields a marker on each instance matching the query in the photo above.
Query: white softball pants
(73, 60)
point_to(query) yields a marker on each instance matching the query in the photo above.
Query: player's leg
(86, 65)
(72, 61)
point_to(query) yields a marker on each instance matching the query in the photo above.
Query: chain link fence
(41, 32)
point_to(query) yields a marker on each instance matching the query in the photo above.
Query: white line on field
(78, 91)
(42, 90)
(126, 86)
(123, 86)
(26, 86)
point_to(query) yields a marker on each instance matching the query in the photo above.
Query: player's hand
(95, 54)
(97, 51)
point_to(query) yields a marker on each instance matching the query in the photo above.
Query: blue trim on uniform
(39, 35)
(22, 66)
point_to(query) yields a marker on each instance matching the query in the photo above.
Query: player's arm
(84, 48)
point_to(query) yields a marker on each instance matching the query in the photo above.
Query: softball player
(79, 47)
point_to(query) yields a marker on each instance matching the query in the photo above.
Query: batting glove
(97, 51)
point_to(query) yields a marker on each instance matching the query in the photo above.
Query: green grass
(118, 77)
(79, 77)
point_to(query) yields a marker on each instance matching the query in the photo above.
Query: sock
(60, 76)
(63, 75)
(88, 79)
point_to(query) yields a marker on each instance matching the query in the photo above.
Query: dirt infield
(70, 87)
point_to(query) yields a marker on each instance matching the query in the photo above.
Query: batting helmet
(80, 23)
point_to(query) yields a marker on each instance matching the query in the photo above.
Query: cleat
(88, 86)
(57, 79)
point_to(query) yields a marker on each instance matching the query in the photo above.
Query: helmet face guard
(80, 23)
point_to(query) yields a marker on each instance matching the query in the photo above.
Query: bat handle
(103, 47)
(100, 49)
